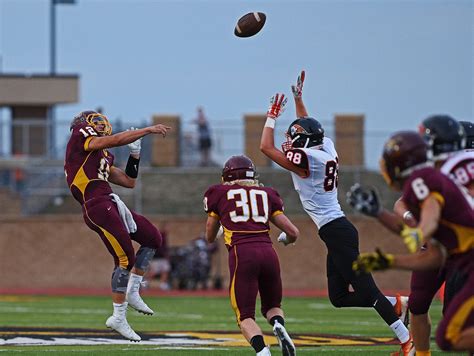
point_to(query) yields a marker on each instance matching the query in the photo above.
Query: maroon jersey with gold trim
(86, 171)
(244, 211)
(456, 227)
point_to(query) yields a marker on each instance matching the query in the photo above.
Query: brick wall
(61, 252)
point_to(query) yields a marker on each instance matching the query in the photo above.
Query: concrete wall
(61, 252)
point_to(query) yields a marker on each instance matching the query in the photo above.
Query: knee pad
(144, 257)
(120, 278)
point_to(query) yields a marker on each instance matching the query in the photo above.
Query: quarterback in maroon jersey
(445, 222)
(89, 169)
(244, 209)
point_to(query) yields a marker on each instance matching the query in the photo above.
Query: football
(250, 24)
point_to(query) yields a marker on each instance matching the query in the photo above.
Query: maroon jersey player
(244, 209)
(445, 138)
(89, 169)
(445, 220)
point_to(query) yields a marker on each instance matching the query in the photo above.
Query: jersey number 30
(247, 204)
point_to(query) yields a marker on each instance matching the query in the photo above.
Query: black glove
(373, 261)
(364, 200)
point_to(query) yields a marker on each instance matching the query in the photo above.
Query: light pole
(52, 68)
(52, 42)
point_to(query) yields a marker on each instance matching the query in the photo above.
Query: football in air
(250, 24)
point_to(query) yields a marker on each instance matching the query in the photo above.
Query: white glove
(298, 88)
(220, 232)
(283, 239)
(135, 146)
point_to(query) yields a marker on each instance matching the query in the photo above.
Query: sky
(394, 61)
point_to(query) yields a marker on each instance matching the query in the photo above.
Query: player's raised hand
(298, 88)
(364, 200)
(135, 146)
(277, 106)
(159, 129)
(373, 261)
(412, 238)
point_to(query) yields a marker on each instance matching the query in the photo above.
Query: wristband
(132, 167)
(270, 123)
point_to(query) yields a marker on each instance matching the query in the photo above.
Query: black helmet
(443, 135)
(469, 130)
(304, 132)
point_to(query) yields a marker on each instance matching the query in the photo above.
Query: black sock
(385, 310)
(257, 343)
(278, 318)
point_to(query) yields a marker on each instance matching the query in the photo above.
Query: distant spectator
(160, 265)
(205, 141)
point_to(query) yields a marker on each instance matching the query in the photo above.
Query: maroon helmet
(402, 154)
(238, 167)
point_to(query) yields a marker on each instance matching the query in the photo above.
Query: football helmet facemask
(304, 132)
(97, 121)
(469, 130)
(404, 152)
(238, 167)
(443, 134)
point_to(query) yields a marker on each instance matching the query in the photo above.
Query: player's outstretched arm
(289, 229)
(212, 227)
(431, 258)
(267, 142)
(298, 96)
(126, 137)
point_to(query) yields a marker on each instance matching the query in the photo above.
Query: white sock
(134, 283)
(392, 300)
(401, 331)
(120, 310)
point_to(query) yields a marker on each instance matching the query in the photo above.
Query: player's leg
(102, 216)
(423, 288)
(149, 238)
(243, 289)
(456, 329)
(342, 241)
(270, 289)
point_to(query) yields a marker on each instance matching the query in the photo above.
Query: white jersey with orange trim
(317, 191)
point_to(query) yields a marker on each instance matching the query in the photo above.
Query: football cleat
(284, 340)
(136, 302)
(120, 325)
(406, 349)
(401, 309)
(265, 352)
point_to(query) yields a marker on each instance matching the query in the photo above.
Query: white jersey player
(318, 191)
(312, 160)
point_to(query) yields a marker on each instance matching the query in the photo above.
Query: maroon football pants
(102, 216)
(254, 268)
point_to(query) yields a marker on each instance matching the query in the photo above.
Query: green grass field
(306, 317)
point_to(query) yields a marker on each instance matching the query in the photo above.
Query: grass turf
(303, 315)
